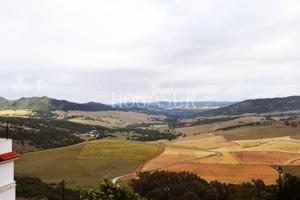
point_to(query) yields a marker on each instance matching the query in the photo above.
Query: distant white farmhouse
(7, 158)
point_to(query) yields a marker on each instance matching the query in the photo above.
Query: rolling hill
(46, 104)
(258, 106)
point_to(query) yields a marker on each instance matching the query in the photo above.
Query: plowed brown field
(265, 157)
(228, 173)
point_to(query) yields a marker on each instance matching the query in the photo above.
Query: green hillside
(48, 104)
(258, 106)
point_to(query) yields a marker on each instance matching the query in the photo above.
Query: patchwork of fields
(214, 158)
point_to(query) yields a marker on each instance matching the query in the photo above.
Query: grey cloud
(210, 50)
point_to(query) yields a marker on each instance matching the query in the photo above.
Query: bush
(34, 188)
(164, 185)
(109, 191)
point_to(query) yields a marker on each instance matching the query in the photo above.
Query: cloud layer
(192, 49)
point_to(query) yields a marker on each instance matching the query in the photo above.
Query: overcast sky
(127, 50)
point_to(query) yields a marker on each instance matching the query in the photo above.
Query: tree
(109, 191)
(291, 187)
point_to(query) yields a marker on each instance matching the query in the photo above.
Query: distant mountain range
(162, 105)
(258, 106)
(203, 108)
(46, 104)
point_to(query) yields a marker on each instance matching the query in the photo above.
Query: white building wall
(7, 173)
(8, 192)
(5, 146)
(7, 183)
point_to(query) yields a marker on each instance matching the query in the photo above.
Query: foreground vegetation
(34, 188)
(162, 185)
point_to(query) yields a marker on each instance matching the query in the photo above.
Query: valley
(120, 143)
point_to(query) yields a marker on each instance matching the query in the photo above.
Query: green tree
(109, 191)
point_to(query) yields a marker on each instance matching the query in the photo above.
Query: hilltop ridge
(259, 106)
(46, 104)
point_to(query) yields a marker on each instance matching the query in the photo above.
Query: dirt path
(161, 149)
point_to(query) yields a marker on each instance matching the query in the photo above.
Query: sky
(148, 50)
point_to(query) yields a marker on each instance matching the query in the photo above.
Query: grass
(117, 149)
(80, 164)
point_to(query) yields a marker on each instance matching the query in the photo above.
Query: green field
(86, 163)
(114, 149)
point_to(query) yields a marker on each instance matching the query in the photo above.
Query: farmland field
(261, 132)
(111, 119)
(114, 149)
(175, 155)
(80, 165)
(266, 158)
(212, 127)
(229, 173)
(15, 113)
(209, 141)
(215, 158)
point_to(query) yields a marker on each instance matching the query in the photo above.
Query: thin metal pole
(280, 172)
(7, 131)
(63, 189)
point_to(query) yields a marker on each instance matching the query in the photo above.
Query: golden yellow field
(15, 113)
(282, 144)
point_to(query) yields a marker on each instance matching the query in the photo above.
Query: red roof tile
(8, 156)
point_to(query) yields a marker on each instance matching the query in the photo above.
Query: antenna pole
(7, 130)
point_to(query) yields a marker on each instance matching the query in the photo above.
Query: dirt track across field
(161, 149)
(159, 152)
